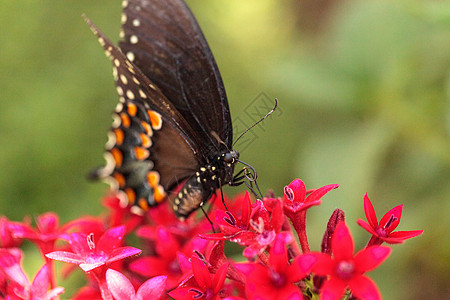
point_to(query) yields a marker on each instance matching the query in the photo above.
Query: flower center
(174, 267)
(345, 269)
(266, 237)
(391, 220)
(381, 232)
(277, 279)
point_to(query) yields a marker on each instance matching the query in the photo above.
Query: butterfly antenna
(262, 119)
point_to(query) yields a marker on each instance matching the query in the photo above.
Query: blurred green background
(364, 96)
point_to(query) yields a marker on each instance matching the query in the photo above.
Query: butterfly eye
(228, 158)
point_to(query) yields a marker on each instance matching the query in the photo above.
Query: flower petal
(364, 288)
(370, 212)
(201, 273)
(40, 283)
(301, 266)
(299, 189)
(78, 244)
(324, 263)
(181, 293)
(111, 239)
(119, 285)
(277, 217)
(400, 236)
(342, 244)
(332, 289)
(278, 258)
(219, 278)
(366, 226)
(52, 294)
(395, 215)
(10, 265)
(152, 288)
(246, 209)
(149, 266)
(320, 192)
(370, 258)
(123, 252)
(65, 256)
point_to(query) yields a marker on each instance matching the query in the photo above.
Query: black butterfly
(173, 121)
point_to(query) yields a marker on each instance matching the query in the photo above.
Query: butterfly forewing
(164, 40)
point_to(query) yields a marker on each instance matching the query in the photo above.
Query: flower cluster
(186, 259)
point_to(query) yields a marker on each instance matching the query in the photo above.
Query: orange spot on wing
(131, 195)
(155, 119)
(148, 128)
(159, 194)
(146, 141)
(141, 153)
(132, 109)
(143, 204)
(119, 136)
(125, 120)
(120, 179)
(153, 179)
(118, 156)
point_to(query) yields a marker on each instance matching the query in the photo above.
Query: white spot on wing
(142, 94)
(130, 95)
(136, 23)
(111, 140)
(124, 79)
(134, 39)
(130, 56)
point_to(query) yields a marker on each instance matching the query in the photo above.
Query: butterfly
(172, 125)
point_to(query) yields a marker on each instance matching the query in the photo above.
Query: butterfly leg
(221, 194)
(207, 217)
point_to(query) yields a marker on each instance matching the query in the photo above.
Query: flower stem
(299, 223)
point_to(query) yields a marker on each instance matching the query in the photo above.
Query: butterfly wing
(163, 39)
(151, 147)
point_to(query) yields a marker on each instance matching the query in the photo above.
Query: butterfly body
(172, 125)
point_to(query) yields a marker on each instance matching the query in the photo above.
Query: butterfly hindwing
(149, 149)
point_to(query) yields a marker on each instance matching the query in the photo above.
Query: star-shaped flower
(18, 286)
(90, 255)
(383, 231)
(277, 280)
(345, 270)
(203, 284)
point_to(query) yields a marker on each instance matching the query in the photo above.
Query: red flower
(18, 286)
(276, 281)
(90, 255)
(166, 259)
(122, 289)
(230, 225)
(7, 239)
(203, 285)
(121, 214)
(347, 270)
(296, 205)
(44, 236)
(383, 231)
(257, 228)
